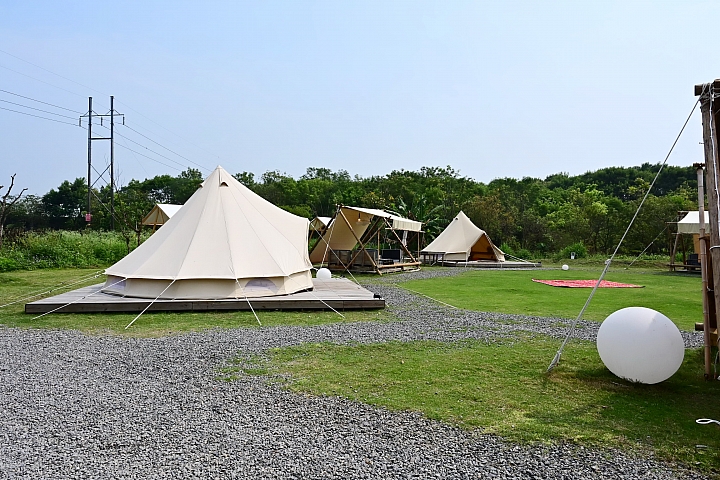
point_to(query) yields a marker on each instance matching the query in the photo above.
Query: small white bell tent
(225, 242)
(462, 241)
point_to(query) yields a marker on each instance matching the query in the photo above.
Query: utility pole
(710, 107)
(89, 115)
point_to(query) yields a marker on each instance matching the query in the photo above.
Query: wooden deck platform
(489, 265)
(339, 293)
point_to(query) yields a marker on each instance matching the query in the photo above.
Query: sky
(492, 89)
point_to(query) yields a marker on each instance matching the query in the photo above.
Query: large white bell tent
(225, 242)
(463, 241)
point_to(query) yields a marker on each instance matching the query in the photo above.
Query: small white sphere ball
(640, 345)
(565, 267)
(323, 274)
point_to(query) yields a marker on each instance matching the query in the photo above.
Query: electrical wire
(146, 148)
(163, 146)
(38, 116)
(37, 109)
(40, 101)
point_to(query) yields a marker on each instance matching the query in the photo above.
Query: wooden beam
(709, 108)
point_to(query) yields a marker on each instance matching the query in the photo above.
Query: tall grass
(62, 249)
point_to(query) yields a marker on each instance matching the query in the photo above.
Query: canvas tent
(462, 241)
(161, 213)
(318, 224)
(345, 243)
(690, 223)
(225, 242)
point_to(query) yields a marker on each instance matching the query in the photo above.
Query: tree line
(528, 216)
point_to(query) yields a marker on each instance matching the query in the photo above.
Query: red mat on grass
(586, 284)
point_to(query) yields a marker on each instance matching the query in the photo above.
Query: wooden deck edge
(205, 306)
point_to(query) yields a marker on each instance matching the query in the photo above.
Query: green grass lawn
(22, 283)
(503, 389)
(677, 296)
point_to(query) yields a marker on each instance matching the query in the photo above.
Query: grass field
(14, 285)
(677, 296)
(503, 389)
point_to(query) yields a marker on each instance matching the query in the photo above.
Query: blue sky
(493, 89)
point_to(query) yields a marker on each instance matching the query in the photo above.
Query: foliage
(62, 249)
(531, 217)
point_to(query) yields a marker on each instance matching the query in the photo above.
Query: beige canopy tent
(318, 224)
(462, 241)
(690, 223)
(225, 242)
(359, 227)
(160, 214)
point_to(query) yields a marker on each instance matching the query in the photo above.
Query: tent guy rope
(609, 261)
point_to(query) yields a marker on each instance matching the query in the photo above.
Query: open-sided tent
(353, 227)
(463, 241)
(161, 213)
(690, 223)
(225, 242)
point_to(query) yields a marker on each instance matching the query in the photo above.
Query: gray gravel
(77, 406)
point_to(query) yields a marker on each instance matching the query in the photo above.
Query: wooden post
(709, 107)
(704, 269)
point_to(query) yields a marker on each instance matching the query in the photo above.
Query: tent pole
(703, 269)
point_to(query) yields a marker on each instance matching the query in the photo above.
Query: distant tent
(462, 241)
(318, 224)
(690, 223)
(161, 213)
(225, 242)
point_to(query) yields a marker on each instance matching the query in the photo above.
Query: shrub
(578, 248)
(62, 249)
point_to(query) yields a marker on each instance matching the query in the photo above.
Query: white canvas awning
(161, 213)
(398, 223)
(690, 223)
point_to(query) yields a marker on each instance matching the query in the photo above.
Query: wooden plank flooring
(339, 293)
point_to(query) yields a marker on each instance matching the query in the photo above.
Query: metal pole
(703, 269)
(88, 217)
(112, 163)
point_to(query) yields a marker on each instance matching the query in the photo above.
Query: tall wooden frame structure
(709, 94)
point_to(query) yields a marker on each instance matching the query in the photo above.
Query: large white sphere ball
(640, 345)
(565, 267)
(323, 274)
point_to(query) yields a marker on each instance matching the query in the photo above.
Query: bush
(578, 248)
(62, 249)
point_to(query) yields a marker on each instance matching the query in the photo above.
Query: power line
(146, 148)
(49, 71)
(37, 109)
(40, 101)
(38, 116)
(41, 81)
(143, 155)
(129, 107)
(163, 146)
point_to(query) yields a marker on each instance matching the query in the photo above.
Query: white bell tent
(225, 242)
(463, 241)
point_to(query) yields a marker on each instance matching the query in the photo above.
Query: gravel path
(77, 406)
